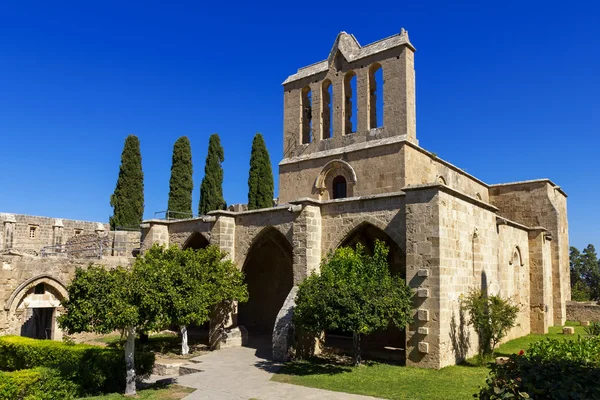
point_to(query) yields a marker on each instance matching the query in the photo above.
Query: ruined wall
(540, 276)
(541, 204)
(583, 311)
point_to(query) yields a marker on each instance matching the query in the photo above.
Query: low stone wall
(583, 311)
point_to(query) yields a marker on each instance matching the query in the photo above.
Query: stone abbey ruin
(352, 172)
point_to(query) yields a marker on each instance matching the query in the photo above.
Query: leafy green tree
(260, 181)
(211, 189)
(579, 289)
(182, 287)
(104, 300)
(590, 266)
(355, 293)
(492, 317)
(127, 200)
(181, 184)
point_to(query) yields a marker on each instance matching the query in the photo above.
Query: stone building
(39, 256)
(353, 171)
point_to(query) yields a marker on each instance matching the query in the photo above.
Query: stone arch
(197, 240)
(375, 90)
(19, 293)
(331, 170)
(441, 179)
(342, 234)
(244, 246)
(306, 116)
(350, 102)
(326, 109)
(516, 258)
(388, 343)
(268, 269)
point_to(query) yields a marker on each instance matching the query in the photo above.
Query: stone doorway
(39, 323)
(269, 276)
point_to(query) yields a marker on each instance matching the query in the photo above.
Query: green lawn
(170, 392)
(396, 382)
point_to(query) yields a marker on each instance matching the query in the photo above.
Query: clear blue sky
(507, 92)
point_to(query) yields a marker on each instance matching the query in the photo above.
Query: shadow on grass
(312, 366)
(163, 344)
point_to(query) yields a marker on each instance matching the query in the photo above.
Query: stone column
(9, 231)
(57, 235)
(306, 240)
(154, 231)
(362, 97)
(540, 278)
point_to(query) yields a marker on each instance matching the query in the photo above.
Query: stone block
(422, 292)
(502, 360)
(423, 272)
(423, 315)
(422, 330)
(585, 323)
(423, 347)
(568, 330)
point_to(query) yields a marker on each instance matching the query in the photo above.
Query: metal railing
(173, 215)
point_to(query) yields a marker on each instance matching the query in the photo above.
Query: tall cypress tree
(260, 181)
(128, 199)
(211, 189)
(181, 184)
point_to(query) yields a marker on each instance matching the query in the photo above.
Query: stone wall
(541, 204)
(583, 311)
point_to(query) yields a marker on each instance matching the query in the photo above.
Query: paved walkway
(243, 373)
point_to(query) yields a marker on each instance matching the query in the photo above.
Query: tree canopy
(211, 189)
(260, 180)
(127, 200)
(585, 274)
(181, 184)
(356, 293)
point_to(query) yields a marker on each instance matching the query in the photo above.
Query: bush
(593, 329)
(95, 369)
(550, 369)
(35, 384)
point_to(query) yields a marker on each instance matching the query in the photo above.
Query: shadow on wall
(460, 336)
(39, 324)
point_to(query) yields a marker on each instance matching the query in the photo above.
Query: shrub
(38, 383)
(593, 329)
(550, 369)
(95, 369)
(492, 317)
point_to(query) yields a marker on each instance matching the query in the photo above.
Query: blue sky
(508, 91)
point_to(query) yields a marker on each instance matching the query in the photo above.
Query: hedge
(95, 369)
(38, 383)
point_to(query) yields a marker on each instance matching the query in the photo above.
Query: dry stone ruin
(353, 172)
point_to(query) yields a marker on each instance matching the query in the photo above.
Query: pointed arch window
(339, 187)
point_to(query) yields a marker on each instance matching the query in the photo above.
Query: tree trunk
(356, 342)
(129, 362)
(184, 340)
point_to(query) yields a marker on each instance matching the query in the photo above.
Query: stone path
(243, 373)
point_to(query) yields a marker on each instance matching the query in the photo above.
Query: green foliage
(260, 181)
(127, 200)
(181, 184)
(35, 384)
(181, 287)
(585, 274)
(356, 293)
(100, 300)
(593, 329)
(211, 189)
(549, 369)
(491, 317)
(94, 369)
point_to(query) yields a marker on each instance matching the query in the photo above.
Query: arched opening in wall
(35, 305)
(375, 96)
(350, 103)
(516, 275)
(390, 343)
(441, 180)
(196, 241)
(269, 276)
(327, 109)
(339, 187)
(307, 125)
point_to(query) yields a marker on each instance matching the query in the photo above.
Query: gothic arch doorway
(196, 241)
(268, 270)
(390, 343)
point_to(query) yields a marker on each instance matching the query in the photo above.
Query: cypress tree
(128, 199)
(211, 189)
(260, 180)
(181, 184)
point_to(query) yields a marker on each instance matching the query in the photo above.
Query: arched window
(306, 115)
(375, 96)
(327, 113)
(350, 103)
(339, 187)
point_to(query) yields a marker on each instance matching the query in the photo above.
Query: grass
(396, 382)
(161, 392)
